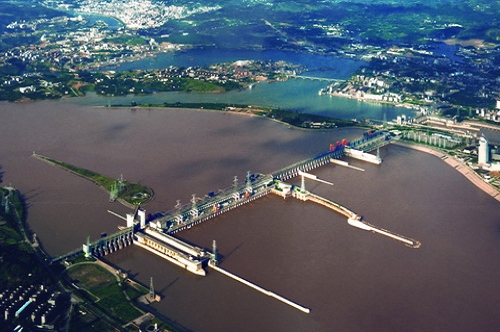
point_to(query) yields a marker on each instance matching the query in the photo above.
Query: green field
(108, 301)
(106, 290)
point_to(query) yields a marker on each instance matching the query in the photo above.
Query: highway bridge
(315, 78)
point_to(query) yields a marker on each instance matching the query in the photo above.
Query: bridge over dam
(316, 78)
(215, 203)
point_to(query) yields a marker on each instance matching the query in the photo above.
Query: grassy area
(107, 295)
(9, 236)
(114, 300)
(132, 193)
(91, 276)
(201, 86)
(298, 119)
(110, 291)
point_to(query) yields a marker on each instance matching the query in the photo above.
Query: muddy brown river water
(350, 279)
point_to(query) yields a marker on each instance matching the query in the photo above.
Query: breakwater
(260, 289)
(354, 219)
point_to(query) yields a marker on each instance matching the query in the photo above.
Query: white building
(483, 157)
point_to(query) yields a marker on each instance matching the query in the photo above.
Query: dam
(155, 232)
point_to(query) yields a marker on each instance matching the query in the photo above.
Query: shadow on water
(161, 291)
(26, 198)
(221, 258)
(25, 208)
(174, 323)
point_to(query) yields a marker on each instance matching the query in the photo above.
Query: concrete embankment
(412, 243)
(331, 205)
(459, 166)
(260, 289)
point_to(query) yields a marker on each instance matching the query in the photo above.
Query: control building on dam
(154, 232)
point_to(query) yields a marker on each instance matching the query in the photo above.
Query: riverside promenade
(465, 170)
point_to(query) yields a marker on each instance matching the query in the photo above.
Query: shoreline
(375, 101)
(465, 170)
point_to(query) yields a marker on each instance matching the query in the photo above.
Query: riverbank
(465, 170)
(377, 101)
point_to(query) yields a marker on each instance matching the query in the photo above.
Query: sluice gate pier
(103, 246)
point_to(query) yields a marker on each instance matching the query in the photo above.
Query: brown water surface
(350, 279)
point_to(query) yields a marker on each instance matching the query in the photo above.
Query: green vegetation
(470, 99)
(131, 82)
(298, 119)
(108, 289)
(11, 11)
(18, 263)
(308, 22)
(108, 301)
(132, 193)
(201, 86)
(207, 106)
(128, 40)
(54, 84)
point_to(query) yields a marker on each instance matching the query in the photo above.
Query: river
(295, 94)
(350, 279)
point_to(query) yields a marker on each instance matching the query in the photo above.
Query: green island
(119, 189)
(294, 118)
